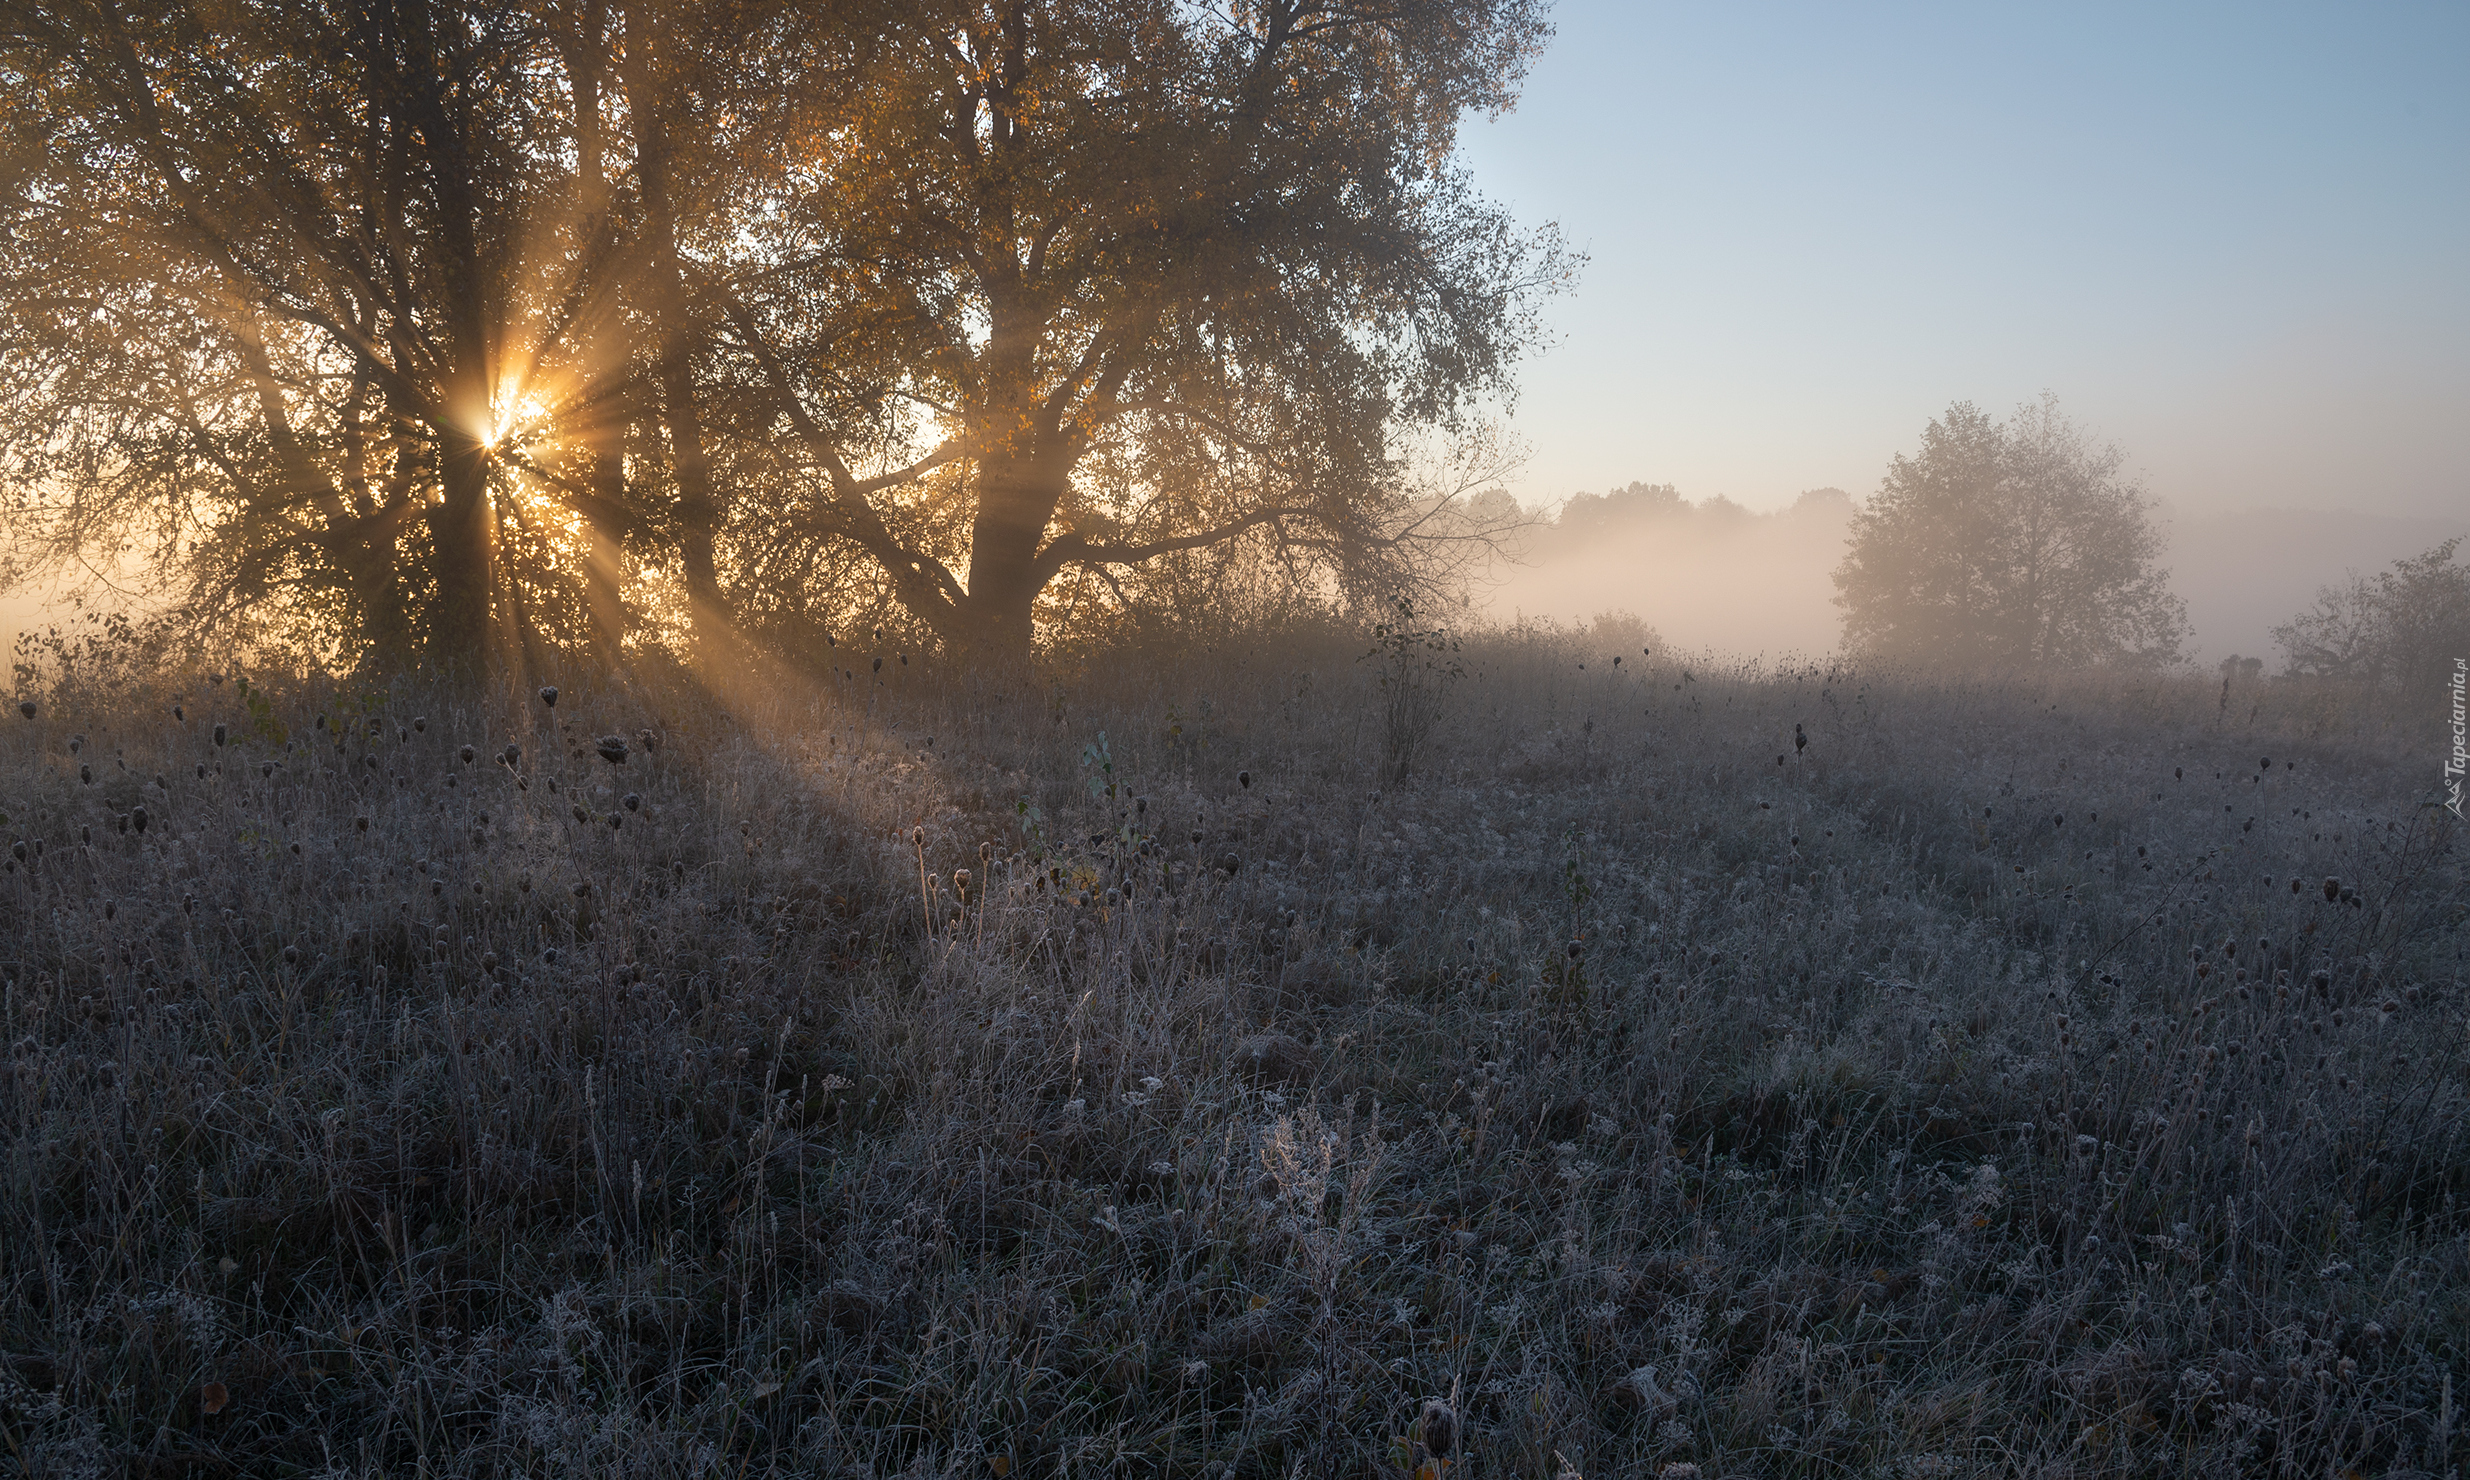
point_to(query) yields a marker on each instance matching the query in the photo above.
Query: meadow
(1681, 1069)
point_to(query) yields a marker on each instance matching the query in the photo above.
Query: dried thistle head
(548, 695)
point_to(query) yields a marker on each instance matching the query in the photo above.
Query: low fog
(1713, 574)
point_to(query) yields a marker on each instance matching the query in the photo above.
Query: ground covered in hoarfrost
(1682, 1070)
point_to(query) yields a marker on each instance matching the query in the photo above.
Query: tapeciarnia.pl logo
(2455, 764)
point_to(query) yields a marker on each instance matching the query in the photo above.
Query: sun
(511, 424)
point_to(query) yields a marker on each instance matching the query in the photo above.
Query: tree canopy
(2009, 545)
(412, 327)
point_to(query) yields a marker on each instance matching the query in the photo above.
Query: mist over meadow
(1712, 575)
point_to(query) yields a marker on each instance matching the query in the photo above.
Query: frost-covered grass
(1967, 1093)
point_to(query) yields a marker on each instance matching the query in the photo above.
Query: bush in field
(2404, 627)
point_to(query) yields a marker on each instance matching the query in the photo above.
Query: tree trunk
(1016, 501)
(699, 507)
(459, 533)
(367, 553)
(602, 340)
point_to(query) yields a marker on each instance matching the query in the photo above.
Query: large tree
(280, 243)
(1089, 283)
(2015, 545)
(366, 318)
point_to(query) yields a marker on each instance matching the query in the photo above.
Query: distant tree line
(418, 329)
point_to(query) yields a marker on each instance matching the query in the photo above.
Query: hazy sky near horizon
(2233, 239)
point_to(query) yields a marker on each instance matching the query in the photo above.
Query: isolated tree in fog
(2015, 545)
(2405, 625)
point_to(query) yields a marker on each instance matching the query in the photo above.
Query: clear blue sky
(2233, 239)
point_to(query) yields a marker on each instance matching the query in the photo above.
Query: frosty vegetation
(1791, 1073)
